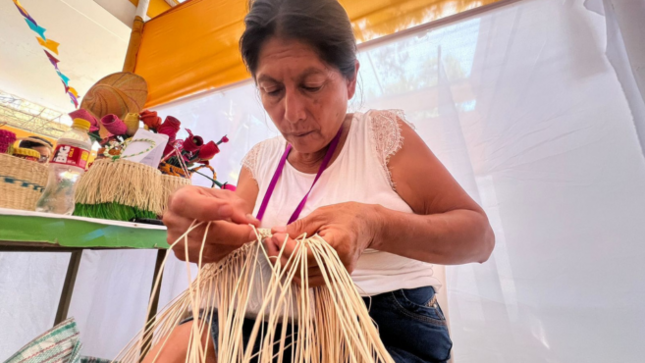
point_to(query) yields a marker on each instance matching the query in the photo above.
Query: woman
(383, 200)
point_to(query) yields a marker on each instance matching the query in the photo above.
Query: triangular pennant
(24, 13)
(72, 91)
(66, 87)
(38, 29)
(52, 59)
(63, 77)
(74, 100)
(49, 44)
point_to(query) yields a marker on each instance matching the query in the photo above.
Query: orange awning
(155, 7)
(193, 47)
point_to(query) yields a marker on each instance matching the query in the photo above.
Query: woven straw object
(118, 94)
(333, 322)
(122, 182)
(170, 184)
(21, 182)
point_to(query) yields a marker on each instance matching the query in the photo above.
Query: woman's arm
(247, 189)
(447, 226)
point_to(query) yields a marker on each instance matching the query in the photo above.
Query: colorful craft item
(170, 127)
(150, 119)
(7, 138)
(114, 125)
(193, 143)
(208, 151)
(132, 123)
(50, 45)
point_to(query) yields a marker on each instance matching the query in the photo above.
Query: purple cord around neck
(278, 172)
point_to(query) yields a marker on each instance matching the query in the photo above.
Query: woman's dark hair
(323, 24)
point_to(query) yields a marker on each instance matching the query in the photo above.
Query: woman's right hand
(227, 212)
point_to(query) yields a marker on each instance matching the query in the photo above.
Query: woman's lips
(303, 134)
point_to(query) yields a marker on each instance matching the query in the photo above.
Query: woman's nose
(294, 107)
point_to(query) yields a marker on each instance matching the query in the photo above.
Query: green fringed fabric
(114, 211)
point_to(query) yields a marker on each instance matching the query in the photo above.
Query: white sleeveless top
(359, 174)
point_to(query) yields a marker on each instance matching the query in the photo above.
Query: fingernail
(280, 229)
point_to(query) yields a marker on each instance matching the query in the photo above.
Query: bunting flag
(63, 78)
(52, 59)
(37, 28)
(52, 46)
(23, 11)
(49, 44)
(73, 91)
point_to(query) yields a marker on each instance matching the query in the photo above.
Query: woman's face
(305, 97)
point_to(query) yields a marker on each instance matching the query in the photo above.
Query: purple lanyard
(278, 172)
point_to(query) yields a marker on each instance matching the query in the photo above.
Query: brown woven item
(21, 182)
(118, 94)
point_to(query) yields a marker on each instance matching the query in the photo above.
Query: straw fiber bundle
(119, 189)
(325, 324)
(21, 182)
(169, 184)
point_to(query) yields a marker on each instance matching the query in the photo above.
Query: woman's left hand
(349, 228)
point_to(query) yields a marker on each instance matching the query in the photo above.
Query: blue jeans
(410, 322)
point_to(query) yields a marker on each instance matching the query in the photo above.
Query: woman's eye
(312, 89)
(273, 92)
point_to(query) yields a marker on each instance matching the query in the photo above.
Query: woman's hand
(227, 212)
(349, 228)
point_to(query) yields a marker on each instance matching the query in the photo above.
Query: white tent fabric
(530, 106)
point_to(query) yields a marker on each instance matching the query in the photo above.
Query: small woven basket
(21, 182)
(120, 190)
(170, 184)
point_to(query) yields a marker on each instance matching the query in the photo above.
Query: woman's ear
(351, 84)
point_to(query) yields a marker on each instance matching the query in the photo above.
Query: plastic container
(66, 167)
(27, 154)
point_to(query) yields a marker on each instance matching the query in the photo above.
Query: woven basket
(170, 184)
(21, 182)
(121, 190)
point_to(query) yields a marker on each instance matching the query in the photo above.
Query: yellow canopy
(193, 47)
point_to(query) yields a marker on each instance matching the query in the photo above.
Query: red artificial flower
(170, 127)
(228, 186)
(207, 151)
(150, 119)
(86, 115)
(192, 143)
(223, 140)
(114, 125)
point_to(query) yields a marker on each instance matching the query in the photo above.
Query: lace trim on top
(251, 159)
(387, 137)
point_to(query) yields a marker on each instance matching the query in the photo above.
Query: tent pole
(135, 36)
